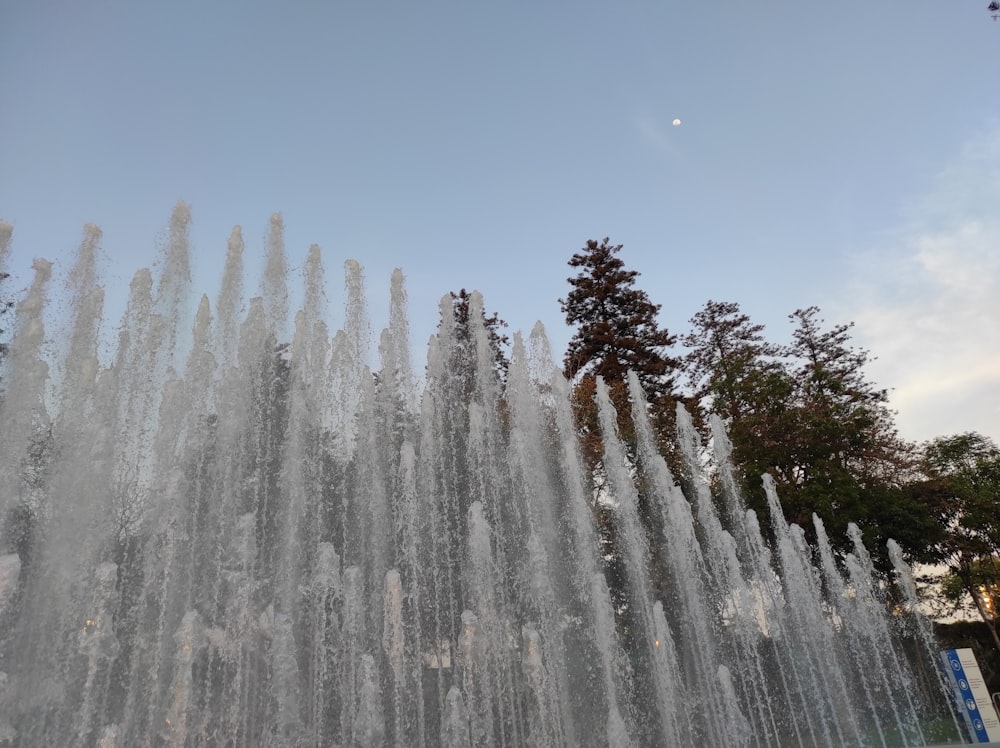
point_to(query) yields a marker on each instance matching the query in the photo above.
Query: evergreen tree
(728, 361)
(616, 332)
(846, 422)
(616, 324)
(458, 389)
(806, 414)
(833, 449)
(499, 342)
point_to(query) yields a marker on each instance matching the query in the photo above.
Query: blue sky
(839, 154)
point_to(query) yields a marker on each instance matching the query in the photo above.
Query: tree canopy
(499, 342)
(727, 352)
(616, 326)
(961, 488)
(806, 414)
(616, 332)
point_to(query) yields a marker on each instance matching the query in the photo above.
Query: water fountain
(270, 544)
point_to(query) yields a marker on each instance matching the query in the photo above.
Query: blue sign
(966, 696)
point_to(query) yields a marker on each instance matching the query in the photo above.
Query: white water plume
(270, 544)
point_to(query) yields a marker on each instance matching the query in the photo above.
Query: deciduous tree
(962, 490)
(807, 414)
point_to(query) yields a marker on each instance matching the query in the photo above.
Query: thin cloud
(656, 135)
(928, 306)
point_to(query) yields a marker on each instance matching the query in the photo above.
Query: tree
(463, 392)
(736, 374)
(836, 396)
(842, 457)
(616, 332)
(806, 414)
(962, 490)
(616, 324)
(458, 385)
(494, 329)
(728, 360)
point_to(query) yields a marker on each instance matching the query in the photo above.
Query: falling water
(270, 544)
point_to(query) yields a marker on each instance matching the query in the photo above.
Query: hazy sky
(839, 154)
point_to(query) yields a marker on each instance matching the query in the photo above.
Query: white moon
(676, 122)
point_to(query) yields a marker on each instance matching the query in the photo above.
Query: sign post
(971, 694)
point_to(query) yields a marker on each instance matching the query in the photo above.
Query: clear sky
(841, 154)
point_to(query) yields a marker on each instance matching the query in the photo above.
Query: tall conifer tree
(499, 342)
(806, 414)
(617, 332)
(728, 360)
(616, 324)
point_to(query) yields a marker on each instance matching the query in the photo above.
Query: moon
(677, 123)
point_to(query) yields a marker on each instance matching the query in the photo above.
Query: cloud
(928, 304)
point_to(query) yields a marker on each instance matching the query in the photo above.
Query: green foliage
(616, 324)
(962, 491)
(499, 342)
(806, 414)
(844, 418)
(616, 331)
(729, 359)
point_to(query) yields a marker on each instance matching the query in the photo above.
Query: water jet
(273, 544)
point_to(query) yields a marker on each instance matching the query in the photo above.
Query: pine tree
(728, 360)
(826, 435)
(617, 328)
(494, 329)
(616, 332)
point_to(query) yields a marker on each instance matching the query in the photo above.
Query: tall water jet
(271, 544)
